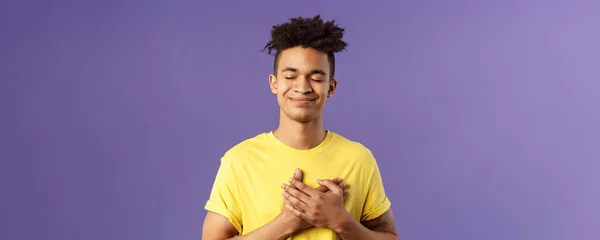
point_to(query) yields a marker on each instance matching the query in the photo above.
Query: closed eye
(314, 79)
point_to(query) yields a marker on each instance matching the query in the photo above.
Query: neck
(300, 135)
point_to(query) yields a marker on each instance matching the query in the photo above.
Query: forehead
(303, 59)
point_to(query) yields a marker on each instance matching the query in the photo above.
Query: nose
(302, 85)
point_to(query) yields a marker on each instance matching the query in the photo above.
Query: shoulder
(354, 148)
(239, 151)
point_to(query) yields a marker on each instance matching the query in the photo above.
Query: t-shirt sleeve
(224, 196)
(376, 202)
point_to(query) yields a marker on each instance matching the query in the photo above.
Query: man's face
(302, 84)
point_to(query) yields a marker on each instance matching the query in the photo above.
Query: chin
(302, 117)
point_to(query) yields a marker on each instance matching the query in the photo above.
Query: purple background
(484, 115)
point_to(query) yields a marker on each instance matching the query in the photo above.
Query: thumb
(298, 175)
(332, 186)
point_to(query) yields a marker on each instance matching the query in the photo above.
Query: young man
(290, 183)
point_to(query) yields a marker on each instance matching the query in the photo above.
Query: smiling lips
(302, 100)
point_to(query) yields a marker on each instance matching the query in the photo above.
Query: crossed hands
(322, 207)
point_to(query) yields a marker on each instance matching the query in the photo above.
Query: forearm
(351, 229)
(277, 229)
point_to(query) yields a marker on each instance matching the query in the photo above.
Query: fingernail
(289, 180)
(319, 181)
(283, 186)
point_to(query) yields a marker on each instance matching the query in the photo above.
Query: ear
(332, 87)
(273, 83)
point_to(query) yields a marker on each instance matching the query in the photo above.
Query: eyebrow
(314, 71)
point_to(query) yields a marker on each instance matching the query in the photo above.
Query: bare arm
(217, 227)
(380, 228)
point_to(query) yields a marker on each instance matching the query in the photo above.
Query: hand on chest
(263, 180)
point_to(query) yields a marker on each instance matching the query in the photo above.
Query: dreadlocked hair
(307, 32)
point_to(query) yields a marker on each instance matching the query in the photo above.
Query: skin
(217, 227)
(326, 210)
(302, 85)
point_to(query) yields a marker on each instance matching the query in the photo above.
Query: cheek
(283, 88)
(321, 89)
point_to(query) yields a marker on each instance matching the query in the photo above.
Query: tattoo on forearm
(383, 223)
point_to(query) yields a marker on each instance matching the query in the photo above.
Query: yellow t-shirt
(247, 185)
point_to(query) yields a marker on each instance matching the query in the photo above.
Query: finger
(344, 186)
(295, 211)
(303, 187)
(337, 180)
(295, 202)
(299, 214)
(329, 184)
(295, 193)
(322, 189)
(298, 175)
